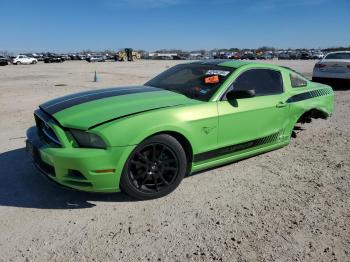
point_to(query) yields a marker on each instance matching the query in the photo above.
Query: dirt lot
(292, 204)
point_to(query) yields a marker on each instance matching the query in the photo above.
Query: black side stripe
(235, 148)
(308, 95)
(60, 104)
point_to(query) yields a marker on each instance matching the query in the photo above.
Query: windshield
(196, 81)
(338, 56)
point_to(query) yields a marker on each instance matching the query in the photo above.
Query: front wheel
(18, 63)
(155, 168)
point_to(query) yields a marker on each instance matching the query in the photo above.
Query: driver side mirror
(238, 94)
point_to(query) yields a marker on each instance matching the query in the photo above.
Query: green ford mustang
(145, 139)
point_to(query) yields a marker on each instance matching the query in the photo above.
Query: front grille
(44, 130)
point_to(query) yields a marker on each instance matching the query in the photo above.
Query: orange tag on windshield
(211, 80)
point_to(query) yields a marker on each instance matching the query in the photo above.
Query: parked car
(53, 58)
(40, 57)
(283, 56)
(3, 61)
(96, 58)
(334, 68)
(162, 57)
(318, 55)
(73, 57)
(236, 56)
(222, 55)
(265, 57)
(305, 56)
(179, 57)
(109, 57)
(65, 57)
(294, 55)
(248, 56)
(34, 55)
(145, 139)
(23, 59)
(81, 57)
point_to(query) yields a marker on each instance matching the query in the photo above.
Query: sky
(74, 25)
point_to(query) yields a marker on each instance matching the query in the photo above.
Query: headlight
(86, 139)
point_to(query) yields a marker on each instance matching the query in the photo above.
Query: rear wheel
(155, 168)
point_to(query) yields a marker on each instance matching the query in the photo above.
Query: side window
(297, 81)
(262, 81)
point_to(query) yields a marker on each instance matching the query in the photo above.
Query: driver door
(26, 60)
(244, 120)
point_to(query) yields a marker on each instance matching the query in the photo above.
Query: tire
(34, 62)
(18, 63)
(155, 168)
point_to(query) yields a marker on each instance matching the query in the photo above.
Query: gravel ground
(287, 205)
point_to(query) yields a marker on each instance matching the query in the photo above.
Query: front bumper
(78, 168)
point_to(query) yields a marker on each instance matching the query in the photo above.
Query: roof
(224, 62)
(235, 63)
(239, 63)
(334, 52)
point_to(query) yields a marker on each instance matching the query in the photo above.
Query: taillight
(319, 65)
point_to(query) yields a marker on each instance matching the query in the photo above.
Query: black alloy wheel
(155, 168)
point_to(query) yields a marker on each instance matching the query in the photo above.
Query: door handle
(281, 104)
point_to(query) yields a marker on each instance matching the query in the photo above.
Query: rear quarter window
(297, 81)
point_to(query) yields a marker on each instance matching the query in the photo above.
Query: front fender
(188, 121)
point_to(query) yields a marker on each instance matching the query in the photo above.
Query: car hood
(86, 110)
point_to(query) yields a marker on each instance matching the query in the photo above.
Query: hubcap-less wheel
(153, 168)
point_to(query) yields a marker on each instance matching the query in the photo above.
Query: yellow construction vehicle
(127, 55)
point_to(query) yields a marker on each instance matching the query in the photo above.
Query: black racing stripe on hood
(65, 102)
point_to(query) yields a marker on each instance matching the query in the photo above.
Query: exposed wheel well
(313, 113)
(186, 145)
